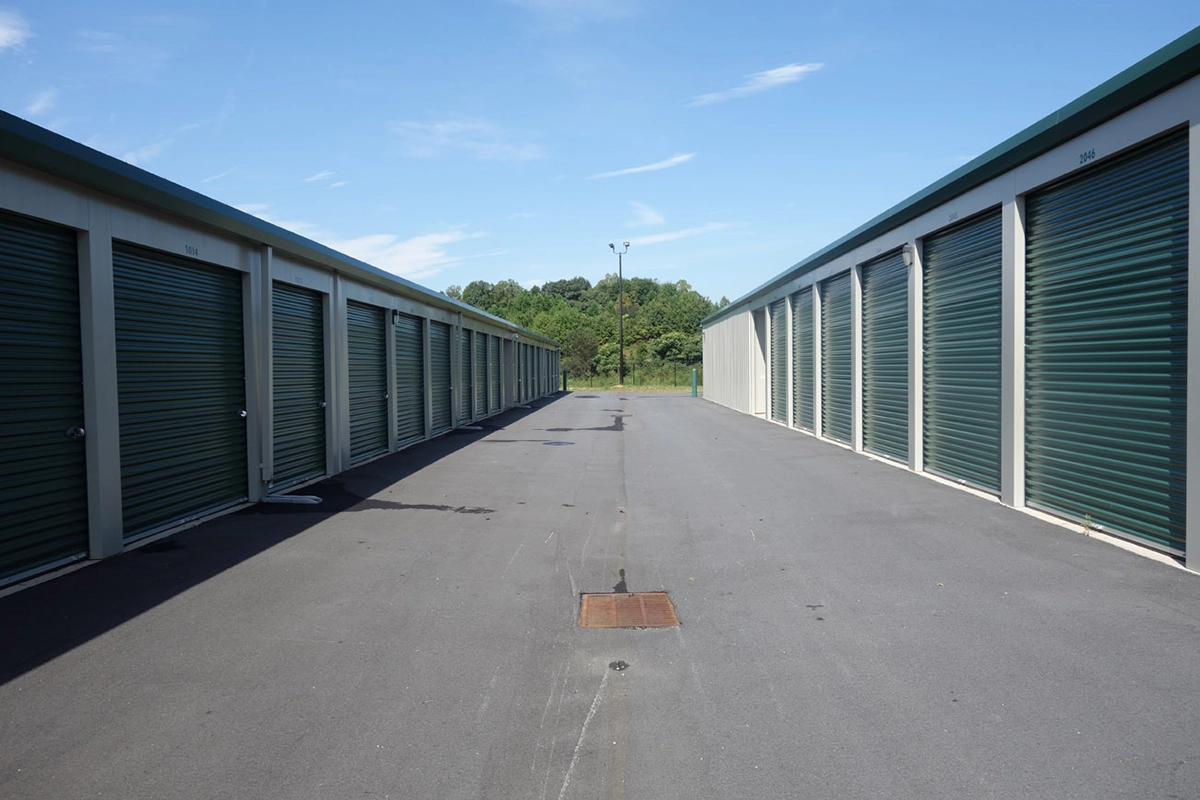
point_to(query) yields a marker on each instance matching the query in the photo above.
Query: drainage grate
(627, 610)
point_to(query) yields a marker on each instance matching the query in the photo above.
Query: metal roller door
(410, 379)
(779, 337)
(481, 374)
(465, 388)
(523, 371)
(885, 356)
(962, 301)
(495, 381)
(297, 384)
(440, 377)
(181, 386)
(836, 364)
(802, 359)
(367, 334)
(1106, 344)
(509, 373)
(43, 479)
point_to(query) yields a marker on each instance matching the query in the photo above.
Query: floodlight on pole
(620, 313)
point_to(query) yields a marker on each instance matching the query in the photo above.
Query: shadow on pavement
(40, 623)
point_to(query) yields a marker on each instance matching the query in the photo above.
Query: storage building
(164, 357)
(1021, 326)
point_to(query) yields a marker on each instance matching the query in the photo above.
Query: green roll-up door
(779, 338)
(523, 369)
(440, 377)
(465, 388)
(181, 387)
(366, 332)
(802, 359)
(298, 384)
(885, 356)
(481, 374)
(961, 334)
(510, 373)
(410, 379)
(495, 379)
(1106, 344)
(836, 364)
(43, 479)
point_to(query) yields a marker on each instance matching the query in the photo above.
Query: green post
(693, 381)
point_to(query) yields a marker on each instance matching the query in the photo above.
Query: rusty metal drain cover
(627, 610)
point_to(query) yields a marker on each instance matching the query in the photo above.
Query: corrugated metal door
(802, 359)
(182, 388)
(1106, 344)
(410, 379)
(481, 374)
(523, 370)
(440, 376)
(298, 384)
(509, 373)
(366, 330)
(43, 479)
(885, 356)
(495, 382)
(961, 335)
(464, 375)
(836, 364)
(779, 337)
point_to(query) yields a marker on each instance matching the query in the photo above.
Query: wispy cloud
(673, 161)
(320, 176)
(148, 152)
(483, 139)
(659, 238)
(135, 61)
(42, 103)
(417, 257)
(218, 176)
(645, 215)
(14, 29)
(337, 184)
(759, 82)
(521, 215)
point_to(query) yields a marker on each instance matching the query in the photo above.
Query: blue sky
(458, 141)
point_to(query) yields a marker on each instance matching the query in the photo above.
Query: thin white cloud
(218, 176)
(320, 176)
(14, 29)
(483, 139)
(42, 103)
(659, 238)
(147, 153)
(521, 215)
(673, 161)
(336, 184)
(645, 215)
(136, 61)
(417, 257)
(759, 82)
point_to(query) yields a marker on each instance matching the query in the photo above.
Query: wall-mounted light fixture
(906, 253)
(395, 316)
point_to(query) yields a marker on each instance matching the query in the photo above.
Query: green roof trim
(32, 146)
(1153, 75)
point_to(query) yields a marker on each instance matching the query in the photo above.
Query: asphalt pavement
(848, 630)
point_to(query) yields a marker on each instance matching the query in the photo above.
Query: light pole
(620, 313)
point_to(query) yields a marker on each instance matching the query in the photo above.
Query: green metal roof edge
(33, 146)
(1158, 72)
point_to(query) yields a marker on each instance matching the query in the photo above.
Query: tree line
(662, 320)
